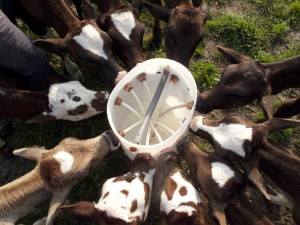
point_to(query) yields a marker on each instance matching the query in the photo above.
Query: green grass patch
(238, 32)
(206, 74)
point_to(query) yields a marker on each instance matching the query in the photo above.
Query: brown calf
(240, 212)
(238, 139)
(66, 101)
(217, 178)
(125, 200)
(185, 28)
(284, 169)
(83, 40)
(57, 171)
(170, 4)
(174, 196)
(246, 80)
(122, 24)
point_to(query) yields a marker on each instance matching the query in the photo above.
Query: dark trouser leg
(18, 54)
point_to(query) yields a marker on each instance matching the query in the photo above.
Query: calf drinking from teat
(218, 178)
(246, 80)
(125, 200)
(83, 40)
(64, 101)
(174, 198)
(238, 139)
(184, 30)
(122, 24)
(57, 171)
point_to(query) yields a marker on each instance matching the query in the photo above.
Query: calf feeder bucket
(152, 106)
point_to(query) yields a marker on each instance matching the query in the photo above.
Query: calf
(174, 196)
(170, 4)
(83, 40)
(217, 178)
(284, 170)
(125, 199)
(237, 139)
(57, 171)
(185, 28)
(246, 80)
(122, 24)
(67, 101)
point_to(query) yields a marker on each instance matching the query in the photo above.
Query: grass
(261, 33)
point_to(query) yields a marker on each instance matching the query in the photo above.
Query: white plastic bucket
(130, 99)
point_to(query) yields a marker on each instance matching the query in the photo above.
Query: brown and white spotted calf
(65, 101)
(238, 139)
(57, 171)
(185, 28)
(125, 199)
(246, 80)
(121, 22)
(217, 178)
(83, 40)
(174, 196)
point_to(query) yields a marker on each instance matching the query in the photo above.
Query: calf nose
(112, 139)
(202, 106)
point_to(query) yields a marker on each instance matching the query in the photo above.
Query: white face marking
(67, 96)
(90, 39)
(65, 159)
(175, 203)
(117, 204)
(221, 173)
(124, 22)
(229, 136)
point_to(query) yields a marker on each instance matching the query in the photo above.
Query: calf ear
(33, 153)
(137, 5)
(84, 209)
(276, 124)
(232, 56)
(265, 101)
(159, 12)
(87, 10)
(41, 118)
(205, 9)
(53, 45)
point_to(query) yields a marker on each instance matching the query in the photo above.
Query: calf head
(185, 28)
(72, 101)
(242, 82)
(68, 163)
(88, 44)
(122, 24)
(125, 199)
(126, 31)
(71, 160)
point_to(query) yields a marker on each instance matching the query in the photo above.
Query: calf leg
(288, 108)
(57, 200)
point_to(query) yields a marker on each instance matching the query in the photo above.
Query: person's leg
(18, 54)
